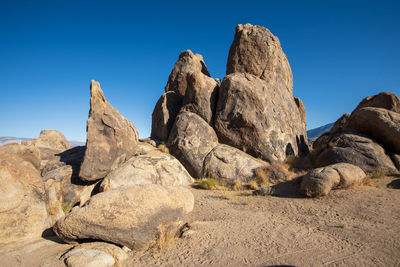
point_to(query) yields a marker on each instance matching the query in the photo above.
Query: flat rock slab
(132, 216)
(111, 138)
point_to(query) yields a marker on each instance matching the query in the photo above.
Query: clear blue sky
(339, 52)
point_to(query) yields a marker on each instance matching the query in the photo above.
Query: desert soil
(354, 227)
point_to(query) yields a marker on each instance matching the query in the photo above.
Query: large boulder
(190, 141)
(259, 117)
(164, 114)
(49, 143)
(23, 212)
(355, 149)
(151, 167)
(381, 124)
(201, 95)
(111, 138)
(133, 216)
(187, 63)
(256, 110)
(26, 152)
(384, 100)
(320, 181)
(228, 164)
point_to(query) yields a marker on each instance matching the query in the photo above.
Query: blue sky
(339, 52)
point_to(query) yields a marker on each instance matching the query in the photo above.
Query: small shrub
(208, 183)
(378, 174)
(264, 190)
(237, 185)
(261, 176)
(253, 185)
(163, 148)
(66, 207)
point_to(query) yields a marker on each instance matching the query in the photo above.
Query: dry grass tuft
(237, 185)
(377, 174)
(163, 148)
(253, 185)
(209, 184)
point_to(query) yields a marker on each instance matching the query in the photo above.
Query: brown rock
(150, 167)
(133, 216)
(384, 100)
(320, 181)
(187, 63)
(164, 114)
(229, 164)
(302, 110)
(201, 95)
(259, 117)
(190, 140)
(50, 142)
(23, 213)
(355, 149)
(381, 124)
(255, 50)
(111, 138)
(26, 152)
(341, 125)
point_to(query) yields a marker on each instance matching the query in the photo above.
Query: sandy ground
(354, 227)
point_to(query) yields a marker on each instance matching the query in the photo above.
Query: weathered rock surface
(151, 167)
(228, 164)
(341, 125)
(111, 138)
(381, 124)
(201, 95)
(23, 213)
(320, 181)
(164, 114)
(26, 152)
(50, 142)
(259, 117)
(133, 216)
(96, 254)
(72, 157)
(187, 63)
(255, 50)
(190, 141)
(384, 100)
(355, 149)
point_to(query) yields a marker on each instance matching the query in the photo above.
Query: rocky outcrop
(187, 63)
(355, 149)
(150, 167)
(259, 118)
(111, 138)
(26, 152)
(228, 164)
(94, 254)
(23, 213)
(132, 216)
(164, 114)
(320, 181)
(49, 143)
(190, 141)
(384, 100)
(256, 110)
(381, 124)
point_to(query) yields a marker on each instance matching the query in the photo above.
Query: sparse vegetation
(341, 226)
(237, 185)
(66, 207)
(377, 174)
(163, 148)
(265, 190)
(208, 183)
(253, 185)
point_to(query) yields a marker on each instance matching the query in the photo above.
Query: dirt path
(356, 227)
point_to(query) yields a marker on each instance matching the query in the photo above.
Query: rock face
(133, 216)
(256, 109)
(96, 254)
(187, 63)
(355, 149)
(259, 117)
(381, 124)
(23, 213)
(111, 138)
(151, 167)
(26, 152)
(320, 181)
(190, 141)
(228, 163)
(49, 143)
(164, 114)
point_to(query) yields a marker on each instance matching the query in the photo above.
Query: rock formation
(132, 216)
(111, 138)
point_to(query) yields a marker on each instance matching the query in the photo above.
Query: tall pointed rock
(111, 138)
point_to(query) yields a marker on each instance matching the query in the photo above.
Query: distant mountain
(9, 139)
(313, 134)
